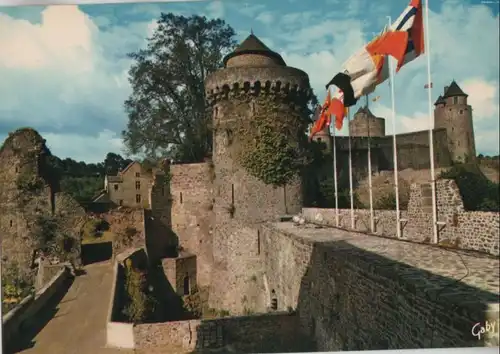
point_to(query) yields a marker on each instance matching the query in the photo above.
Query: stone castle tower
(454, 114)
(251, 75)
(365, 123)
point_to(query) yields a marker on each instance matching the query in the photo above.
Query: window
(180, 197)
(115, 187)
(120, 202)
(186, 285)
(461, 111)
(137, 185)
(11, 223)
(455, 100)
(162, 191)
(137, 198)
(258, 241)
(138, 174)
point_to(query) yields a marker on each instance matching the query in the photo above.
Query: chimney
(445, 89)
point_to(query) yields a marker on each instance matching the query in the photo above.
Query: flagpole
(370, 189)
(350, 171)
(335, 185)
(394, 143)
(431, 125)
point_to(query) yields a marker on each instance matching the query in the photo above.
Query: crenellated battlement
(284, 82)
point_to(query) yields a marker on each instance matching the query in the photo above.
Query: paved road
(75, 324)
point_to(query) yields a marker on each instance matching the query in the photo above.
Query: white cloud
(265, 17)
(216, 9)
(483, 97)
(96, 147)
(65, 78)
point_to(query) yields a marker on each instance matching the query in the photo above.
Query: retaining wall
(19, 317)
(270, 332)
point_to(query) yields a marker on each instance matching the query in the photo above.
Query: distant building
(129, 188)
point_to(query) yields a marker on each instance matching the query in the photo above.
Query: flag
(426, 86)
(405, 38)
(323, 119)
(361, 73)
(338, 109)
(375, 99)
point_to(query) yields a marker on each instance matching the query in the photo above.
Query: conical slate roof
(253, 45)
(454, 90)
(364, 110)
(439, 100)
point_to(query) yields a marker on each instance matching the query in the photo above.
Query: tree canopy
(167, 112)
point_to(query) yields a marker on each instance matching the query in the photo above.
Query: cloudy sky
(63, 69)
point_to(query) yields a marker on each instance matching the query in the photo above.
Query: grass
(107, 236)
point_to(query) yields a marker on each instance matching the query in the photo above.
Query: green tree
(167, 110)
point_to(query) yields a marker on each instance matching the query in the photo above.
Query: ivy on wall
(271, 145)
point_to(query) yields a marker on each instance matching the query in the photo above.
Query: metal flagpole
(335, 185)
(370, 189)
(431, 125)
(350, 171)
(394, 144)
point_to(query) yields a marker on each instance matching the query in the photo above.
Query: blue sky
(63, 69)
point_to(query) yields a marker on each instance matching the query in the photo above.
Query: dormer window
(138, 174)
(455, 100)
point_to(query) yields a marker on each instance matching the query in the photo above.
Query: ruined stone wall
(191, 210)
(471, 230)
(276, 332)
(358, 292)
(32, 202)
(127, 226)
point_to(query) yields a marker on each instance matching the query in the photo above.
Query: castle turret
(255, 82)
(365, 123)
(454, 114)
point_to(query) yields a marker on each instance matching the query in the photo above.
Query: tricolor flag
(405, 39)
(362, 72)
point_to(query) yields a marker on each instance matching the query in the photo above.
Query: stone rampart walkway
(77, 325)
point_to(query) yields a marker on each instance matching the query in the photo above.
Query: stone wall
(122, 221)
(413, 152)
(359, 292)
(192, 204)
(266, 333)
(470, 230)
(26, 311)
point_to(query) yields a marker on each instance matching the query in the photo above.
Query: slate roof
(439, 100)
(253, 45)
(454, 90)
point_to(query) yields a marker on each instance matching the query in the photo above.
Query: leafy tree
(167, 109)
(114, 163)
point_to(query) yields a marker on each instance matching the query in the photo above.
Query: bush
(477, 191)
(138, 304)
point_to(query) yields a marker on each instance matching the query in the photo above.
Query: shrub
(477, 191)
(384, 195)
(138, 304)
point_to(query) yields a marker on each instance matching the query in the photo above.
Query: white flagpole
(394, 144)
(431, 125)
(335, 185)
(350, 171)
(372, 223)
